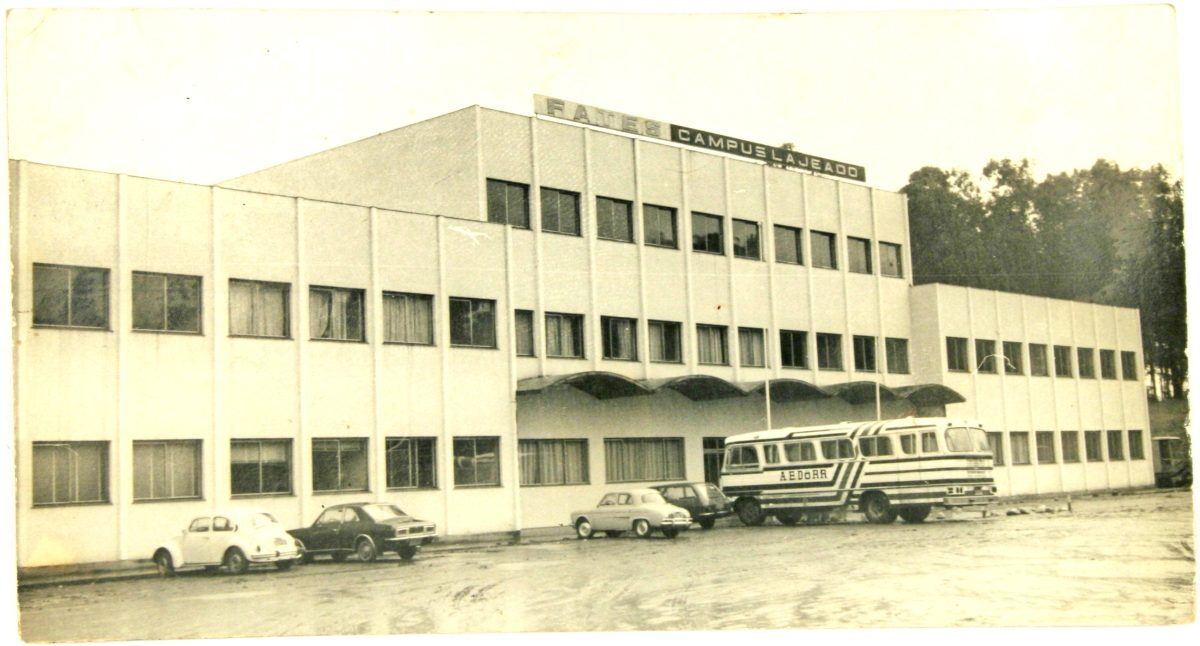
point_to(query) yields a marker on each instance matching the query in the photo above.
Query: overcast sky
(205, 96)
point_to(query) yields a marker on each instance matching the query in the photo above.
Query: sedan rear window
(380, 511)
(652, 498)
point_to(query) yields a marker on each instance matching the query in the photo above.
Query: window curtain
(711, 343)
(575, 462)
(407, 318)
(658, 343)
(620, 333)
(562, 336)
(550, 462)
(256, 309)
(524, 323)
(750, 345)
(529, 466)
(631, 460)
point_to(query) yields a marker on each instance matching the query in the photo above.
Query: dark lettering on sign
(770, 154)
(803, 475)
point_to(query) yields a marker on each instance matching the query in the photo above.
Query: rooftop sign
(775, 155)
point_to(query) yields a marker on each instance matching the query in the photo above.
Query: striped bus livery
(885, 469)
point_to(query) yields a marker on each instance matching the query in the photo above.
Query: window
(166, 302)
(260, 467)
(824, 249)
(166, 470)
(664, 342)
(897, 356)
(771, 453)
(335, 313)
(1108, 364)
(745, 240)
(1012, 358)
(1087, 362)
(908, 444)
(875, 446)
(620, 338)
(1116, 450)
(560, 211)
(864, 353)
(788, 245)
(1037, 360)
(1020, 447)
(710, 345)
(793, 348)
(1045, 448)
(1129, 366)
(477, 461)
(707, 234)
(411, 462)
(643, 459)
(70, 472)
(1062, 361)
(956, 354)
(472, 323)
(742, 457)
(985, 355)
(258, 308)
(339, 465)
(829, 351)
(553, 462)
(564, 335)
(659, 224)
(891, 263)
(508, 203)
(859, 253)
(929, 442)
(1092, 445)
(800, 451)
(714, 458)
(523, 320)
(1136, 451)
(751, 347)
(407, 318)
(614, 219)
(839, 449)
(996, 442)
(1070, 446)
(70, 296)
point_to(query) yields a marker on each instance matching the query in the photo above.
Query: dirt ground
(1115, 560)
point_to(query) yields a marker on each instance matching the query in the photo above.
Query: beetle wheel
(164, 564)
(236, 561)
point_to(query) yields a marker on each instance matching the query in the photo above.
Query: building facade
(490, 319)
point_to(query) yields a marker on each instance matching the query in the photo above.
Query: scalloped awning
(791, 390)
(861, 392)
(598, 384)
(930, 395)
(699, 387)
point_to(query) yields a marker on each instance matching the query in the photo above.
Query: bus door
(879, 452)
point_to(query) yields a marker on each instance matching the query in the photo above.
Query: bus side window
(866, 446)
(808, 452)
(743, 457)
(771, 453)
(837, 449)
(883, 445)
(791, 451)
(908, 443)
(929, 443)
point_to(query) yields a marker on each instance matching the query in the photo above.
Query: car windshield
(380, 511)
(263, 519)
(966, 440)
(713, 492)
(652, 498)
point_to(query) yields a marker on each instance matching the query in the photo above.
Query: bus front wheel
(750, 512)
(877, 509)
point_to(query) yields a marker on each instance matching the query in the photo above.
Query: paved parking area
(1115, 560)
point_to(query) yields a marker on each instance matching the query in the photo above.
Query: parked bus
(885, 469)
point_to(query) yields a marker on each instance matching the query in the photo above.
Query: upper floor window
(985, 354)
(1038, 365)
(258, 308)
(523, 320)
(564, 335)
(1062, 361)
(659, 224)
(1129, 366)
(789, 245)
(560, 211)
(614, 219)
(620, 337)
(860, 255)
(1108, 364)
(1087, 362)
(829, 351)
(70, 296)
(897, 356)
(824, 249)
(707, 233)
(407, 318)
(864, 353)
(335, 313)
(166, 302)
(957, 358)
(745, 240)
(1012, 358)
(793, 348)
(665, 341)
(891, 262)
(750, 347)
(472, 322)
(508, 203)
(711, 344)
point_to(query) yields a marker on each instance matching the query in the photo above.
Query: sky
(208, 95)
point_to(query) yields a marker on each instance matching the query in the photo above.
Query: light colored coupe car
(638, 510)
(234, 538)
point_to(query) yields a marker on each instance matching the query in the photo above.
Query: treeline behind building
(1102, 235)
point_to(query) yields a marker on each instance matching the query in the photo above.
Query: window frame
(723, 332)
(1140, 452)
(1108, 368)
(286, 290)
(667, 474)
(558, 195)
(427, 299)
(106, 325)
(900, 346)
(472, 302)
(956, 346)
(866, 248)
(829, 240)
(719, 220)
(607, 341)
(1119, 445)
(1023, 457)
(659, 210)
(562, 443)
(1093, 440)
(756, 238)
(518, 314)
(475, 441)
(333, 292)
(786, 346)
(1086, 369)
(997, 456)
(1070, 450)
(796, 246)
(1064, 351)
(197, 456)
(576, 323)
(1039, 350)
(289, 461)
(507, 220)
(985, 357)
(667, 326)
(840, 364)
(362, 442)
(756, 334)
(1014, 364)
(866, 355)
(103, 476)
(1129, 369)
(1044, 441)
(414, 444)
(899, 254)
(166, 316)
(611, 215)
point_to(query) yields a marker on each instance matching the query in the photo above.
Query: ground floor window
(1020, 447)
(1070, 446)
(553, 462)
(1116, 450)
(166, 470)
(714, 456)
(339, 464)
(411, 462)
(70, 472)
(1045, 447)
(476, 461)
(643, 459)
(1094, 452)
(261, 467)
(1136, 451)
(996, 442)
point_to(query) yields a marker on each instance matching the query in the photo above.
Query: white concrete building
(491, 319)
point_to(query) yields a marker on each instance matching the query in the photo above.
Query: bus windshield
(966, 440)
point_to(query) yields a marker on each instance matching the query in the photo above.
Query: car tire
(915, 514)
(789, 518)
(365, 550)
(670, 532)
(641, 528)
(236, 561)
(750, 512)
(285, 565)
(707, 523)
(583, 529)
(164, 564)
(878, 509)
(407, 552)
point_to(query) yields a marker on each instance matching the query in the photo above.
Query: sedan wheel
(583, 528)
(407, 552)
(670, 532)
(284, 565)
(365, 550)
(236, 561)
(162, 561)
(641, 528)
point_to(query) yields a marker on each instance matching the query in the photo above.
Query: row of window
(1012, 356)
(77, 472)
(1065, 448)
(508, 203)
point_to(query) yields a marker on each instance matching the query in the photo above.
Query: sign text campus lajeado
(776, 155)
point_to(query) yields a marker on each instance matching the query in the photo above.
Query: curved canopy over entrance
(598, 384)
(930, 395)
(699, 387)
(790, 390)
(861, 392)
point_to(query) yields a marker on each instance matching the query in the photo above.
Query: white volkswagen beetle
(234, 538)
(638, 510)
